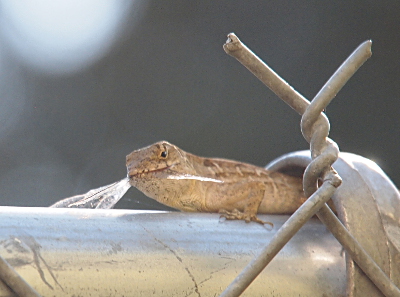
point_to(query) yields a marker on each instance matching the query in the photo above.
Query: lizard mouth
(144, 172)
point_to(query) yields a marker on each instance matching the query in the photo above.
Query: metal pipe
(67, 252)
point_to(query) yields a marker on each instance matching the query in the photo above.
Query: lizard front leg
(237, 201)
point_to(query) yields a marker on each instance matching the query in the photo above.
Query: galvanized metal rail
(103, 252)
(324, 152)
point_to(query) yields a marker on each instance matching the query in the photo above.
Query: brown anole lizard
(187, 182)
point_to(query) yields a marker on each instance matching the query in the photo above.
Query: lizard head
(153, 169)
(154, 160)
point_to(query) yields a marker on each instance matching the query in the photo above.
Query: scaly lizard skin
(187, 182)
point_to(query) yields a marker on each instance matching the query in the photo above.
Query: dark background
(66, 127)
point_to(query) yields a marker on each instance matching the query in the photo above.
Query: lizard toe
(254, 218)
(231, 215)
(238, 215)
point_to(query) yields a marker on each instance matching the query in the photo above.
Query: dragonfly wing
(103, 197)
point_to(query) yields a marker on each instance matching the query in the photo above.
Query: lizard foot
(238, 215)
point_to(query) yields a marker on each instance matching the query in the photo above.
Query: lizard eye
(164, 154)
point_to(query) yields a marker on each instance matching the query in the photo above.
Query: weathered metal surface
(85, 252)
(368, 204)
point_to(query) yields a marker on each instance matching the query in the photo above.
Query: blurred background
(83, 83)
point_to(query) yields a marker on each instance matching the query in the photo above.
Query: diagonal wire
(13, 280)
